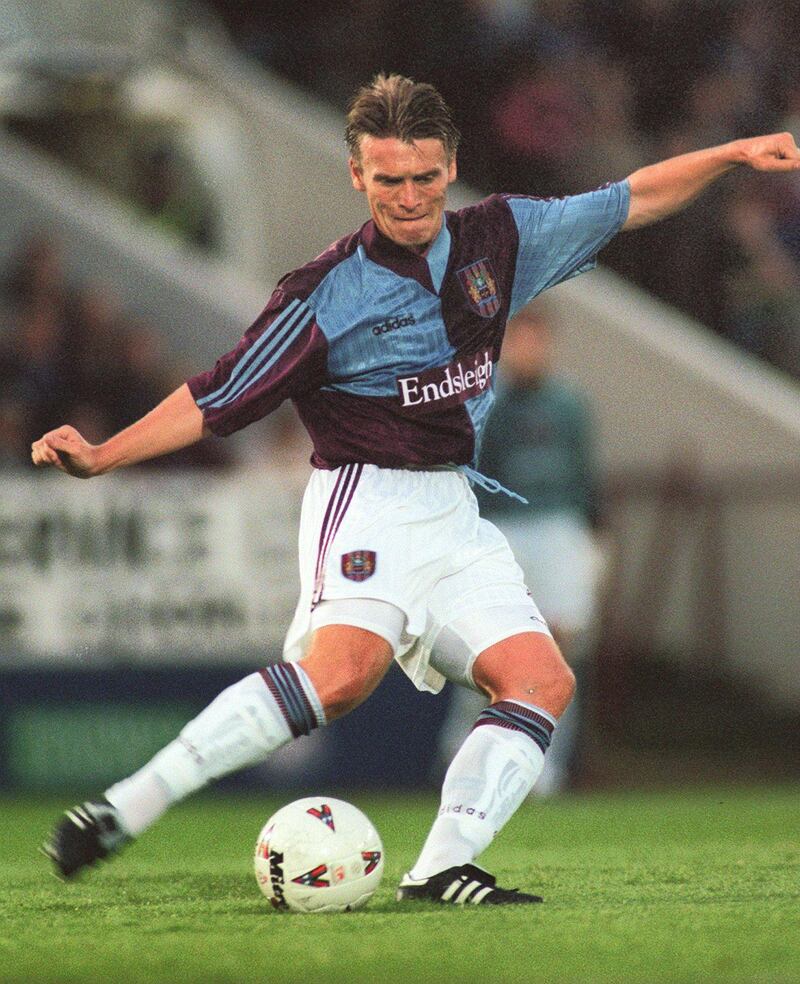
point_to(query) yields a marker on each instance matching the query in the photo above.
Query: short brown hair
(394, 106)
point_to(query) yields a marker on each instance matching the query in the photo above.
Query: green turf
(690, 886)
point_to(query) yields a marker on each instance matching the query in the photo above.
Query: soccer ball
(318, 854)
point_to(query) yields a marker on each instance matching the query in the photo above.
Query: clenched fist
(775, 152)
(64, 448)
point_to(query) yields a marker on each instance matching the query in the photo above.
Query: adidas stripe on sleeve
(281, 355)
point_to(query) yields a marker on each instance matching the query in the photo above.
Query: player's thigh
(352, 647)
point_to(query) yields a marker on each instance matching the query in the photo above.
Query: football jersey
(389, 356)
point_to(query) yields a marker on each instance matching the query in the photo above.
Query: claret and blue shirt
(388, 356)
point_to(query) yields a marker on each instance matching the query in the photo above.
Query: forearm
(664, 188)
(174, 424)
(661, 189)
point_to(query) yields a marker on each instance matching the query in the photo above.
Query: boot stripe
(479, 896)
(465, 893)
(451, 889)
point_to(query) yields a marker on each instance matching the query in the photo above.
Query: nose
(408, 197)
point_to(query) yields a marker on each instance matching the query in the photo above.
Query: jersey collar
(427, 270)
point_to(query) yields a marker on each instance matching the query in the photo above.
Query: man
(386, 344)
(538, 441)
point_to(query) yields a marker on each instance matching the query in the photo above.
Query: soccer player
(386, 344)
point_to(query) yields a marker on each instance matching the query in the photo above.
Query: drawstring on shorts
(489, 484)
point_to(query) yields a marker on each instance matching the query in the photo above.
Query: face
(527, 346)
(405, 185)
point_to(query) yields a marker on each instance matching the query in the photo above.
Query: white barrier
(146, 567)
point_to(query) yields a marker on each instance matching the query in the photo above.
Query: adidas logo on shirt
(392, 324)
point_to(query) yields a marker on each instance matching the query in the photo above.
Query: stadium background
(162, 164)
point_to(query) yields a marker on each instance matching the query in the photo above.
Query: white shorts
(414, 540)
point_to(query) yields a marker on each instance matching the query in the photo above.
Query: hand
(64, 448)
(775, 152)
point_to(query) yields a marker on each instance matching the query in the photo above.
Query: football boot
(464, 884)
(86, 834)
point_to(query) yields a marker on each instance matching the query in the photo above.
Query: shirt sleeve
(561, 237)
(282, 355)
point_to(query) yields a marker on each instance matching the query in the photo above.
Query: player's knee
(554, 686)
(533, 671)
(551, 688)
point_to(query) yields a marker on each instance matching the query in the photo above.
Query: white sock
(239, 728)
(490, 776)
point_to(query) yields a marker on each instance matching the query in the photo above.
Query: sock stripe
(278, 696)
(293, 706)
(304, 688)
(515, 717)
(511, 718)
(529, 712)
(286, 687)
(296, 696)
(543, 743)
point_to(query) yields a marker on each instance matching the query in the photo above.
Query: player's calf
(345, 663)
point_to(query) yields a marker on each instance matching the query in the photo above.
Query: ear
(356, 174)
(452, 170)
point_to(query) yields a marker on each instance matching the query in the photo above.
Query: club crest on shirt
(480, 286)
(358, 565)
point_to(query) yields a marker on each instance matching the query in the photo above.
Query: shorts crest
(358, 565)
(480, 285)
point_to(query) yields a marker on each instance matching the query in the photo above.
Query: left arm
(661, 189)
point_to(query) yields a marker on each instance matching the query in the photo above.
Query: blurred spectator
(539, 128)
(15, 428)
(34, 363)
(95, 319)
(538, 443)
(762, 303)
(664, 44)
(172, 196)
(74, 355)
(613, 147)
(142, 375)
(38, 269)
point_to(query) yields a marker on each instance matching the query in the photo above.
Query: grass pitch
(690, 886)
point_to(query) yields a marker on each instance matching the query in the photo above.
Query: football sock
(239, 728)
(490, 776)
